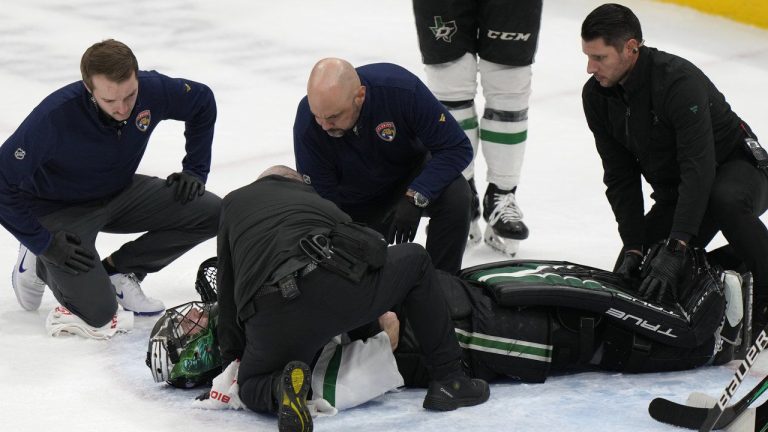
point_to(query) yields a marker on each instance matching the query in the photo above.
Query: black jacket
(669, 123)
(258, 244)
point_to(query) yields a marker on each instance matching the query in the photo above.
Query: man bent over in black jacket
(278, 308)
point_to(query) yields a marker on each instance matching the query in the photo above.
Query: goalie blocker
(526, 319)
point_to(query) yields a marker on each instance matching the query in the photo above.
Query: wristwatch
(675, 245)
(416, 198)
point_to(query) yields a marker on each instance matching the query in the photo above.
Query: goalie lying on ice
(525, 319)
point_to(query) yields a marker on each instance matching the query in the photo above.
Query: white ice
(256, 55)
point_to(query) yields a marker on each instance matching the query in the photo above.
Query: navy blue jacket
(400, 123)
(64, 153)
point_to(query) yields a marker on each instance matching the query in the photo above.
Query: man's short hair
(615, 23)
(110, 58)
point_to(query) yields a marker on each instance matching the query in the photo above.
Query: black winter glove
(665, 270)
(188, 187)
(65, 251)
(629, 268)
(405, 223)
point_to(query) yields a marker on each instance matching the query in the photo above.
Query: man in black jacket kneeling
(286, 288)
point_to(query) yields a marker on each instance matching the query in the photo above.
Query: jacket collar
(639, 75)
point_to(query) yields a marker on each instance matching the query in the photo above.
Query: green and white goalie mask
(183, 350)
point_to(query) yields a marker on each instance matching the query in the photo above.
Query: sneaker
(474, 225)
(505, 226)
(450, 394)
(28, 287)
(293, 414)
(132, 298)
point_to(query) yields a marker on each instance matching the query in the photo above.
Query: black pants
(738, 197)
(282, 331)
(449, 218)
(147, 205)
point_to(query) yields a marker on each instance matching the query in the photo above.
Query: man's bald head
(282, 171)
(335, 95)
(332, 77)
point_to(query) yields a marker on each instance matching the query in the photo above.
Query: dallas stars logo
(444, 30)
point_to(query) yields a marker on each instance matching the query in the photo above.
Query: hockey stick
(715, 412)
(691, 417)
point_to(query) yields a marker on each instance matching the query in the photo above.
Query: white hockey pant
(503, 129)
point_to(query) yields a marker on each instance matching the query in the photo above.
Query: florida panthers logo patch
(143, 120)
(386, 131)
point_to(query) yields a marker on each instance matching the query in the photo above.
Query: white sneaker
(28, 287)
(132, 298)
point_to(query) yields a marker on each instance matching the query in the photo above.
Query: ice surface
(256, 55)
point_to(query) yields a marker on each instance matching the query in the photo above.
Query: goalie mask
(183, 350)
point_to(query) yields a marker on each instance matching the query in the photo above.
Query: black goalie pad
(689, 323)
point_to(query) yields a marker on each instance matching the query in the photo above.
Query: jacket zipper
(626, 124)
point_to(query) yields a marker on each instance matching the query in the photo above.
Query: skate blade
(506, 246)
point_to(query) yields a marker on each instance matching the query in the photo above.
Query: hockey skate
(28, 287)
(734, 335)
(474, 225)
(505, 226)
(132, 298)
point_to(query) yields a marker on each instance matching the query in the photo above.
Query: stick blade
(673, 413)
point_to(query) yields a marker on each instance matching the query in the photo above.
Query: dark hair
(110, 58)
(615, 23)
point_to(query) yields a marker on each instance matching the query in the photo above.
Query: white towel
(61, 321)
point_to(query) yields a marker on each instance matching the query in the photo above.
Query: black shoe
(450, 394)
(293, 414)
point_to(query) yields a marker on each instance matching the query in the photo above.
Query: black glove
(188, 187)
(405, 223)
(65, 251)
(629, 268)
(665, 270)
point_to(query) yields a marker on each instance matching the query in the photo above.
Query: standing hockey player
(69, 172)
(656, 115)
(498, 39)
(377, 143)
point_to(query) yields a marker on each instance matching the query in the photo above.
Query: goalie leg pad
(624, 351)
